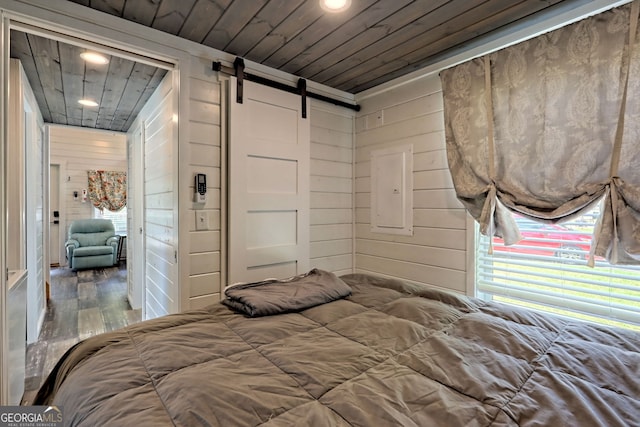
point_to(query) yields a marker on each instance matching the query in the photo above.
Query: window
(119, 219)
(547, 270)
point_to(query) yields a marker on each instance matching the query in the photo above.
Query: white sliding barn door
(268, 184)
(161, 204)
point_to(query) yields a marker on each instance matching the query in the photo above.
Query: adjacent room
(84, 118)
(320, 212)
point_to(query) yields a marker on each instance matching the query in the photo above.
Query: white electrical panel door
(269, 145)
(392, 190)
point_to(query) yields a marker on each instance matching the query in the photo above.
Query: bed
(383, 353)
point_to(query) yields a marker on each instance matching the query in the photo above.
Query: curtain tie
(617, 145)
(490, 130)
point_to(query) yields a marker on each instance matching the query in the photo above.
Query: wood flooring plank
(35, 356)
(65, 288)
(87, 290)
(85, 275)
(85, 303)
(90, 323)
(55, 350)
(113, 318)
(133, 316)
(65, 318)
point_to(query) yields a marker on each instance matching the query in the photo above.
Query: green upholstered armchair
(91, 243)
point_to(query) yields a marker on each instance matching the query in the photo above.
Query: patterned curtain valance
(108, 189)
(548, 127)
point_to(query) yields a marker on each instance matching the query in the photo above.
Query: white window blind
(547, 270)
(119, 219)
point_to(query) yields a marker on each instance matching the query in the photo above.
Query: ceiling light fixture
(94, 58)
(88, 102)
(335, 6)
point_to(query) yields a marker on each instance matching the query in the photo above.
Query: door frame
(4, 134)
(62, 222)
(135, 164)
(69, 24)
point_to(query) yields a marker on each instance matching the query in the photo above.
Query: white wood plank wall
(26, 249)
(78, 150)
(331, 221)
(36, 291)
(204, 156)
(436, 253)
(15, 173)
(36, 215)
(160, 214)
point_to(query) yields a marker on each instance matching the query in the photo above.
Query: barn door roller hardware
(300, 89)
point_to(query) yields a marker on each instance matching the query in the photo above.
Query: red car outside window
(548, 240)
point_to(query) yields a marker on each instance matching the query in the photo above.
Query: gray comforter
(388, 355)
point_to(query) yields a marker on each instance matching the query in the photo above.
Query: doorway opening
(76, 139)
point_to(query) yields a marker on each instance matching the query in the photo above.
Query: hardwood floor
(81, 304)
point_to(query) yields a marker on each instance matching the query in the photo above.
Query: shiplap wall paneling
(161, 210)
(35, 215)
(331, 215)
(436, 253)
(25, 214)
(79, 150)
(15, 173)
(204, 157)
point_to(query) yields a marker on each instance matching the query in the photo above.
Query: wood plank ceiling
(59, 78)
(370, 43)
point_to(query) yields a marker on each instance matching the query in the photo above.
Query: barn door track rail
(300, 89)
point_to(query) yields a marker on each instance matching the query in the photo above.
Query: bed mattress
(389, 354)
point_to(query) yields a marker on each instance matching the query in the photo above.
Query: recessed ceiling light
(88, 102)
(335, 6)
(94, 58)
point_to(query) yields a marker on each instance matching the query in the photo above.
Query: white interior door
(135, 218)
(54, 220)
(268, 184)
